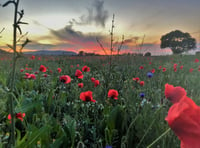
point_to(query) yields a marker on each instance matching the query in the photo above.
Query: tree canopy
(178, 41)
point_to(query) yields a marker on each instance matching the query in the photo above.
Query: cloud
(77, 40)
(97, 14)
(70, 35)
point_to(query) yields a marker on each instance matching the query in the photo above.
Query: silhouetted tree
(178, 41)
(147, 54)
(81, 53)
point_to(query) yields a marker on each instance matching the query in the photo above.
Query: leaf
(57, 142)
(33, 135)
(70, 128)
(26, 107)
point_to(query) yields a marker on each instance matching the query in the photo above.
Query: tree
(147, 54)
(178, 41)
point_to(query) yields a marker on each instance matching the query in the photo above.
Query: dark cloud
(71, 35)
(97, 14)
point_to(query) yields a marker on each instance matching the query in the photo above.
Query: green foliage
(178, 41)
(56, 117)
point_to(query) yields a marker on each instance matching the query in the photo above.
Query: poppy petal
(174, 94)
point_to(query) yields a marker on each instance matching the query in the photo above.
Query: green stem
(12, 80)
(163, 134)
(148, 128)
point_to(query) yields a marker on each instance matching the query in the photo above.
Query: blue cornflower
(108, 146)
(149, 74)
(142, 95)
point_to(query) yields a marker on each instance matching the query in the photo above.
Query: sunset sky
(74, 25)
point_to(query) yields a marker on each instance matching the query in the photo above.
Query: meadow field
(94, 101)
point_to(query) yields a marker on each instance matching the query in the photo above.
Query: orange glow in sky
(75, 25)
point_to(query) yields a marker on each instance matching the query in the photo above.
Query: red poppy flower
(191, 69)
(45, 75)
(160, 67)
(174, 94)
(32, 76)
(153, 71)
(164, 69)
(141, 67)
(86, 69)
(65, 79)
(32, 57)
(96, 83)
(183, 117)
(18, 116)
(87, 96)
(175, 69)
(136, 79)
(141, 83)
(196, 60)
(175, 65)
(112, 93)
(59, 70)
(77, 65)
(80, 85)
(181, 67)
(21, 70)
(79, 74)
(29, 76)
(92, 79)
(43, 68)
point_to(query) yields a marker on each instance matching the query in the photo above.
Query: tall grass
(56, 117)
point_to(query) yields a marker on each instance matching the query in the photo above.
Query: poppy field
(101, 101)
